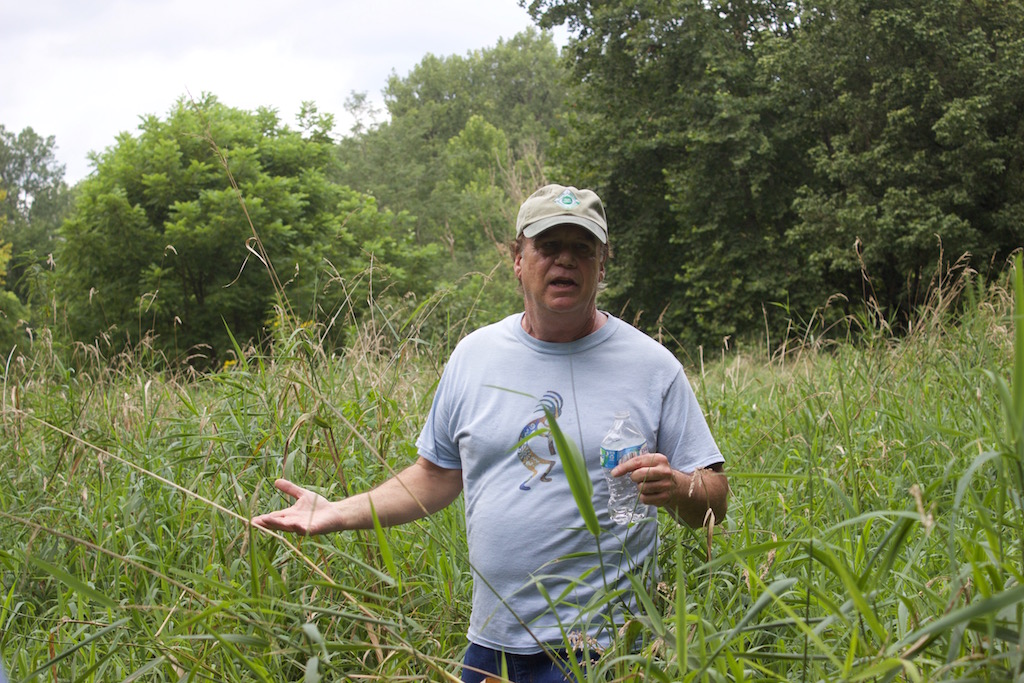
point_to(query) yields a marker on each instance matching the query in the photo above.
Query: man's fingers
(288, 488)
(285, 520)
(264, 521)
(644, 466)
(282, 520)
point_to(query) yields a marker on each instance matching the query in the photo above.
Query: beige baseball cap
(554, 205)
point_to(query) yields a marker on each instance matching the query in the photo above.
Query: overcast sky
(86, 70)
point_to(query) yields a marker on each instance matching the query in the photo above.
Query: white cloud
(86, 71)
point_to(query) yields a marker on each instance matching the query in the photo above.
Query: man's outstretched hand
(310, 514)
(419, 490)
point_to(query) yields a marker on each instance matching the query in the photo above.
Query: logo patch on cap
(567, 200)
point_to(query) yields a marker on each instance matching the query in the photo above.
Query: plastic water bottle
(620, 444)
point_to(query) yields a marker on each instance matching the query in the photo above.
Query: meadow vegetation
(228, 299)
(874, 530)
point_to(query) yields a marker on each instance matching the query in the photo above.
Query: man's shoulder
(485, 337)
(489, 331)
(635, 335)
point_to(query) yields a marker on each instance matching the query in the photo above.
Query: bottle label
(610, 458)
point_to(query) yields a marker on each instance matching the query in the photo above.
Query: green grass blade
(576, 473)
(382, 543)
(139, 673)
(74, 583)
(767, 597)
(78, 646)
(242, 360)
(963, 616)
(640, 591)
(312, 671)
(1018, 342)
(829, 560)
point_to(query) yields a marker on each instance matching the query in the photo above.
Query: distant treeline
(763, 165)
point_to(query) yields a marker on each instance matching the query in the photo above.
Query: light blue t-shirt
(523, 526)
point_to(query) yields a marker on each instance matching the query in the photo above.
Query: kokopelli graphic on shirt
(529, 457)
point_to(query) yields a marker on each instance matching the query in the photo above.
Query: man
(485, 436)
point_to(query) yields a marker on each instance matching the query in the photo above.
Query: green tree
(206, 220)
(13, 313)
(5, 247)
(464, 142)
(918, 139)
(479, 195)
(760, 152)
(518, 87)
(37, 200)
(675, 129)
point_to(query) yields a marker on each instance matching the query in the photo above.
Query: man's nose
(566, 257)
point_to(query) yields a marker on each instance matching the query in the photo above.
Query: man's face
(560, 269)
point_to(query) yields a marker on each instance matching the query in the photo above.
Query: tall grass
(874, 531)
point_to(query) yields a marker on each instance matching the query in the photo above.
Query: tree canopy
(464, 142)
(195, 228)
(517, 88)
(758, 153)
(758, 160)
(36, 201)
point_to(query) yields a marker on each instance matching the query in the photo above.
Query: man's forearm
(417, 491)
(697, 494)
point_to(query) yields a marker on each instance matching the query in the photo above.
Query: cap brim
(536, 228)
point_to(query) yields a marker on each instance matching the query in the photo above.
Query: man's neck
(562, 329)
